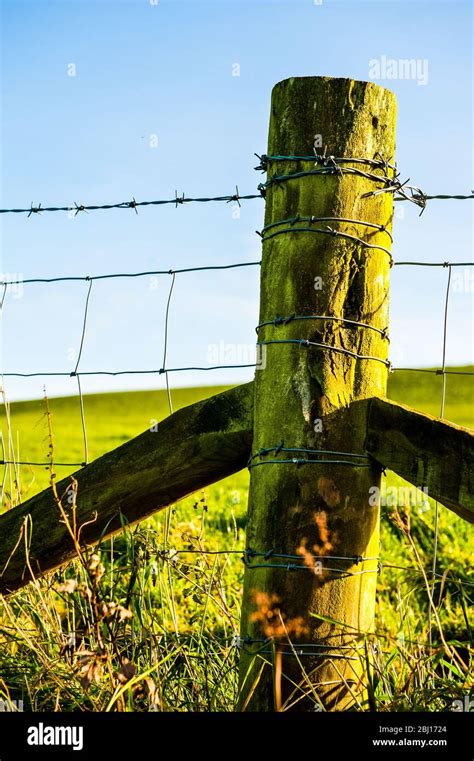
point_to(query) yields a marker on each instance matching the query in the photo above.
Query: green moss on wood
(300, 384)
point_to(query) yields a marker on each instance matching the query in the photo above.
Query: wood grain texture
(192, 448)
(426, 451)
(290, 506)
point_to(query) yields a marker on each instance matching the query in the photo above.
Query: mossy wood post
(303, 397)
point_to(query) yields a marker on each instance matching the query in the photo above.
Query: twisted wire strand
(438, 371)
(281, 448)
(311, 219)
(401, 191)
(327, 231)
(110, 276)
(433, 264)
(325, 160)
(305, 461)
(338, 349)
(114, 275)
(278, 321)
(45, 464)
(178, 200)
(248, 552)
(277, 179)
(161, 371)
(272, 554)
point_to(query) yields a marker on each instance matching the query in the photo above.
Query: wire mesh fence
(390, 182)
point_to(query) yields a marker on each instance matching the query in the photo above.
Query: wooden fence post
(305, 517)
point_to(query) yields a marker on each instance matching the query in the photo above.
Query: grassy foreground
(149, 622)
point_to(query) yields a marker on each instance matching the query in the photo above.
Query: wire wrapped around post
(325, 268)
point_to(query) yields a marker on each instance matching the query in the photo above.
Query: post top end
(328, 81)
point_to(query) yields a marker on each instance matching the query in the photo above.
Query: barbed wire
(332, 165)
(319, 230)
(312, 219)
(297, 649)
(442, 196)
(378, 162)
(247, 553)
(178, 200)
(278, 179)
(401, 191)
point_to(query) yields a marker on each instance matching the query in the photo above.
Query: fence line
(167, 314)
(178, 200)
(441, 414)
(164, 370)
(67, 278)
(328, 165)
(170, 555)
(334, 165)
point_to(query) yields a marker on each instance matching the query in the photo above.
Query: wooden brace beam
(192, 448)
(425, 451)
(201, 444)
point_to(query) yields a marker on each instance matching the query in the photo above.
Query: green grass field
(175, 651)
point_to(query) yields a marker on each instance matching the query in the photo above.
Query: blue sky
(166, 70)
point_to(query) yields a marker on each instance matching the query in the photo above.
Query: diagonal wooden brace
(203, 443)
(191, 449)
(425, 451)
